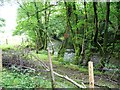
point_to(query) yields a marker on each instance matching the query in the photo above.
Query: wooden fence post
(0, 60)
(6, 41)
(51, 70)
(0, 67)
(22, 40)
(91, 74)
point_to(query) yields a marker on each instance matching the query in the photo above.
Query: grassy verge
(13, 79)
(6, 47)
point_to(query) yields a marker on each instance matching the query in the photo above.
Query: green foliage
(44, 52)
(56, 25)
(40, 22)
(19, 80)
(6, 47)
(2, 24)
(111, 66)
(27, 24)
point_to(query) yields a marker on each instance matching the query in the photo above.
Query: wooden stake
(6, 41)
(51, 70)
(0, 60)
(91, 74)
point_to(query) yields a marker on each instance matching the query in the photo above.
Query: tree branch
(70, 80)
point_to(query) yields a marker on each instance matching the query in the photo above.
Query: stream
(69, 54)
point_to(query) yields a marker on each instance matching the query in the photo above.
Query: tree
(30, 22)
(106, 34)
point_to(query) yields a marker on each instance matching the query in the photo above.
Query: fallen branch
(70, 80)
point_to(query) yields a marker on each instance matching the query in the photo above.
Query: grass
(0, 78)
(42, 56)
(6, 47)
(13, 79)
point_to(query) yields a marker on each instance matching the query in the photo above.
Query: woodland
(70, 34)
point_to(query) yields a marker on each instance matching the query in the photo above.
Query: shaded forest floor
(79, 74)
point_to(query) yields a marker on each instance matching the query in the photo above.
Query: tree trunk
(77, 46)
(68, 29)
(85, 30)
(97, 44)
(46, 27)
(118, 29)
(40, 40)
(62, 48)
(105, 42)
(96, 22)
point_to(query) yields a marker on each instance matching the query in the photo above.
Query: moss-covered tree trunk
(68, 29)
(105, 42)
(77, 46)
(47, 14)
(85, 39)
(39, 40)
(117, 33)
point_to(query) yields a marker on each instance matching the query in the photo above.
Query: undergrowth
(6, 47)
(16, 79)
